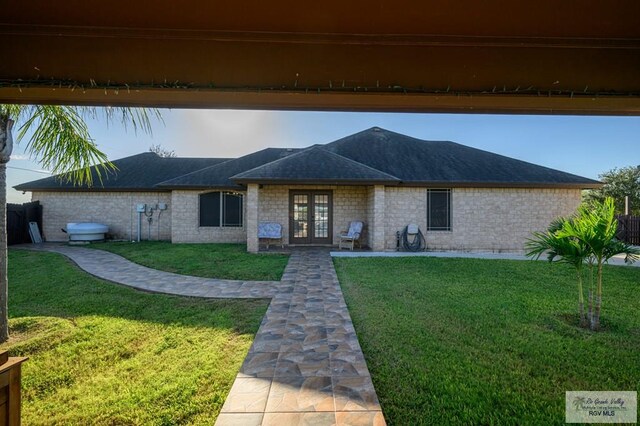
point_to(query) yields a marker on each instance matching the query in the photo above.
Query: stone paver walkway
(305, 365)
(112, 267)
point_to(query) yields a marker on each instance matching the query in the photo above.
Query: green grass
(465, 341)
(228, 261)
(104, 354)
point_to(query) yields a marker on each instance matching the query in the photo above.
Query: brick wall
(402, 207)
(377, 218)
(491, 219)
(349, 203)
(371, 194)
(115, 209)
(251, 217)
(186, 218)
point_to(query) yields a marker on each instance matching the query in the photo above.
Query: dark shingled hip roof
(313, 165)
(373, 156)
(139, 172)
(219, 176)
(415, 161)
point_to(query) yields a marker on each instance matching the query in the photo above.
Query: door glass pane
(300, 216)
(321, 215)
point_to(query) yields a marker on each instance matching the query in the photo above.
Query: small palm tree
(568, 250)
(596, 227)
(60, 139)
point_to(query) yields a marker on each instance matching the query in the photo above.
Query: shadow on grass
(105, 354)
(48, 284)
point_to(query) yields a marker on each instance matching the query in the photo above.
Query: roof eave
(531, 185)
(66, 189)
(201, 187)
(339, 182)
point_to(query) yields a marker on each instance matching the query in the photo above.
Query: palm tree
(59, 138)
(595, 227)
(568, 250)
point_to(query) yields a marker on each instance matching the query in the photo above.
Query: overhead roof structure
(371, 157)
(542, 56)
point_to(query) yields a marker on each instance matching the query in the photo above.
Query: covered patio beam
(543, 57)
(328, 101)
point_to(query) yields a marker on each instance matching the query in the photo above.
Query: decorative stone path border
(305, 365)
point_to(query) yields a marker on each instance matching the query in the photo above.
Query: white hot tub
(86, 231)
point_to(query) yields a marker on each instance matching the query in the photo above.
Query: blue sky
(585, 146)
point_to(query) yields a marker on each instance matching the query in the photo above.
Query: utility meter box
(412, 229)
(141, 208)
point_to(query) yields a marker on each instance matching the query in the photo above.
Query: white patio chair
(349, 238)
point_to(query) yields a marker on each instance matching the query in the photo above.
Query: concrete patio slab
(616, 260)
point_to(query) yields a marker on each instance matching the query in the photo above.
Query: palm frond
(12, 111)
(59, 139)
(595, 226)
(558, 242)
(137, 118)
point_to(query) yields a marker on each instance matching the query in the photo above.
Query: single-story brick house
(462, 198)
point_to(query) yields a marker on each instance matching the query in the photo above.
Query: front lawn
(468, 341)
(229, 261)
(104, 354)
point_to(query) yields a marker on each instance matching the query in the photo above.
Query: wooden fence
(18, 218)
(629, 229)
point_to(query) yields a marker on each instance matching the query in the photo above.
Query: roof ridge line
(311, 148)
(358, 163)
(157, 185)
(520, 161)
(168, 182)
(274, 161)
(209, 167)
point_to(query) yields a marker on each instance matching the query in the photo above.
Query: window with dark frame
(438, 210)
(221, 209)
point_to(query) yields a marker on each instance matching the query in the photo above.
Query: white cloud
(227, 133)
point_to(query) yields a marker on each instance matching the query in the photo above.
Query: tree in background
(619, 183)
(161, 151)
(58, 137)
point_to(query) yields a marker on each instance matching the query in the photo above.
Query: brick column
(252, 217)
(378, 225)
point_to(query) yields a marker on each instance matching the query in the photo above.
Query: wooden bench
(270, 231)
